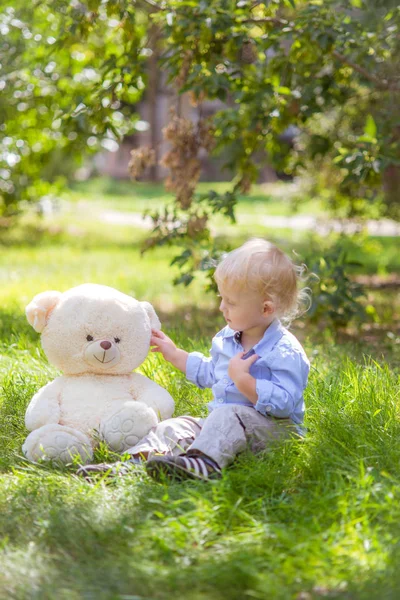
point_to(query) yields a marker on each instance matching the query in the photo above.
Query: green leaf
(370, 127)
(367, 138)
(275, 80)
(284, 90)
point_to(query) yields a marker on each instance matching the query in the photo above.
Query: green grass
(322, 513)
(80, 223)
(272, 199)
(25, 271)
(313, 518)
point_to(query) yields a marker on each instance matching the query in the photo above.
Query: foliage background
(72, 73)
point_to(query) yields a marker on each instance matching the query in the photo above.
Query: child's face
(244, 310)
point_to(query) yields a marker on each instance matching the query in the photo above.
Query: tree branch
(255, 4)
(153, 5)
(381, 84)
(256, 20)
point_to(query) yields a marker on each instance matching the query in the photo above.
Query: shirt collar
(276, 326)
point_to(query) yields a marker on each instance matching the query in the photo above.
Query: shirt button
(268, 408)
(225, 380)
(220, 400)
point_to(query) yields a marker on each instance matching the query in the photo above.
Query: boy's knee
(225, 409)
(224, 414)
(178, 428)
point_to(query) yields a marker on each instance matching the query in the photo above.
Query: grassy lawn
(81, 222)
(317, 518)
(274, 199)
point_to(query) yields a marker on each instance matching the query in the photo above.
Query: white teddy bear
(96, 336)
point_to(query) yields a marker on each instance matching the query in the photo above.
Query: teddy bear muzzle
(102, 353)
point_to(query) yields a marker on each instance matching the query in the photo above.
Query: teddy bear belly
(85, 401)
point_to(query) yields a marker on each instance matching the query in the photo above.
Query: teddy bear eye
(117, 340)
(89, 338)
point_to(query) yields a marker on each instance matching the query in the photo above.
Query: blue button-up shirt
(281, 372)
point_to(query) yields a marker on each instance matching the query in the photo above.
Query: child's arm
(239, 372)
(289, 374)
(278, 396)
(197, 368)
(162, 343)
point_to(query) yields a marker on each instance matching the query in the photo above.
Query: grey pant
(227, 431)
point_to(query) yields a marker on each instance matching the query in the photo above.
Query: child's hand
(239, 372)
(238, 366)
(162, 343)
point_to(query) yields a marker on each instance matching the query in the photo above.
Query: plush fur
(96, 336)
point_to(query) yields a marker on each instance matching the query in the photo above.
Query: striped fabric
(182, 467)
(109, 470)
(197, 465)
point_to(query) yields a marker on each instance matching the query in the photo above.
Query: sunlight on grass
(274, 199)
(25, 272)
(314, 517)
(318, 513)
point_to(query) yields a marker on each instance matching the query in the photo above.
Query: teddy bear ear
(39, 309)
(151, 313)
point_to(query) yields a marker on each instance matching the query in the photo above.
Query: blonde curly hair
(260, 266)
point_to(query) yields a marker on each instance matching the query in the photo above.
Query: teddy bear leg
(125, 427)
(57, 442)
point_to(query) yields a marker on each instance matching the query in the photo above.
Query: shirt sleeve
(200, 369)
(289, 374)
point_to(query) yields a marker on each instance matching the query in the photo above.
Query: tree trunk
(391, 187)
(152, 95)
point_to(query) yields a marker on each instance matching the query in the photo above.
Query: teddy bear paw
(58, 443)
(126, 427)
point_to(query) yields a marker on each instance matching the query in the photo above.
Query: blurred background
(164, 134)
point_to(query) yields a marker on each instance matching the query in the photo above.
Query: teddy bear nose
(105, 345)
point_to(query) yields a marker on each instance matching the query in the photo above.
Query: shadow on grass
(255, 533)
(15, 330)
(274, 526)
(150, 190)
(121, 187)
(192, 322)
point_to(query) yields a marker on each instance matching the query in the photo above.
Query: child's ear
(40, 308)
(268, 307)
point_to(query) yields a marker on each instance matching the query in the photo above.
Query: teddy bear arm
(44, 408)
(153, 395)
